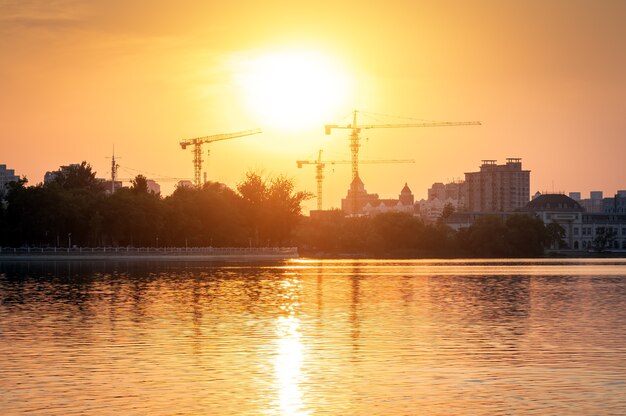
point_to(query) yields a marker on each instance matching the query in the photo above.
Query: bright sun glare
(293, 90)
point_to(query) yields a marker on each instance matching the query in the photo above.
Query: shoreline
(154, 257)
(146, 254)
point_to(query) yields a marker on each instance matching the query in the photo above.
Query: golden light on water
(289, 351)
(288, 365)
(293, 90)
(349, 337)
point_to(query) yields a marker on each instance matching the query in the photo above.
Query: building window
(575, 230)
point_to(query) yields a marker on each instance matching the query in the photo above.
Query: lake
(314, 337)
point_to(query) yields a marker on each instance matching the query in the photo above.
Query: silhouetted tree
(271, 209)
(555, 235)
(604, 239)
(486, 237)
(79, 176)
(526, 235)
(139, 185)
(448, 210)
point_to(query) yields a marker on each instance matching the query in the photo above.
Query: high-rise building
(615, 205)
(440, 196)
(594, 203)
(437, 191)
(6, 176)
(50, 176)
(497, 187)
(576, 196)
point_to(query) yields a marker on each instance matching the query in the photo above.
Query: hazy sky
(546, 78)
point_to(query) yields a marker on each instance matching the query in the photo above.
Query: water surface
(359, 337)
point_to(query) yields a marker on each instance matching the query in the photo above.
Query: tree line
(74, 208)
(403, 235)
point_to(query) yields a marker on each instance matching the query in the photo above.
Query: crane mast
(356, 129)
(197, 143)
(319, 170)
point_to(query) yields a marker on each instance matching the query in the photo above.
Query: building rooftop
(553, 202)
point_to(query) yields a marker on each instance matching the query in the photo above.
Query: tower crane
(356, 129)
(197, 148)
(320, 164)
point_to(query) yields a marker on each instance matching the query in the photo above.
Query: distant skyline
(546, 79)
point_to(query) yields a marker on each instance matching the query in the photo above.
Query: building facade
(359, 202)
(583, 231)
(404, 203)
(455, 191)
(431, 210)
(357, 197)
(497, 188)
(6, 176)
(615, 205)
(582, 228)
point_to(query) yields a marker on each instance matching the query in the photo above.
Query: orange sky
(546, 78)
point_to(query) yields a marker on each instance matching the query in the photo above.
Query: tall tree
(79, 176)
(272, 209)
(140, 185)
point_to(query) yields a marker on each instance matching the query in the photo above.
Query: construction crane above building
(320, 164)
(197, 148)
(356, 129)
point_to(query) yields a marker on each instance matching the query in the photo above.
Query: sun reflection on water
(289, 353)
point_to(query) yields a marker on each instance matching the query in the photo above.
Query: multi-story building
(110, 187)
(615, 205)
(404, 203)
(576, 196)
(359, 202)
(439, 196)
(437, 191)
(431, 211)
(591, 204)
(597, 203)
(50, 176)
(357, 197)
(453, 190)
(581, 229)
(497, 188)
(6, 176)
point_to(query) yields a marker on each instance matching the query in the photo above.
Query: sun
(293, 90)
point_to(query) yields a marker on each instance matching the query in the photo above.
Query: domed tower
(406, 196)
